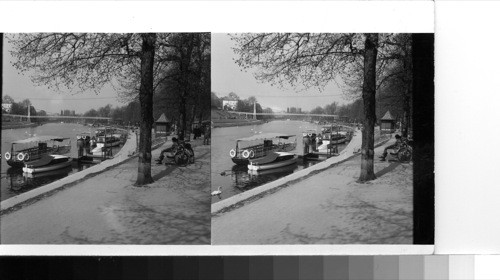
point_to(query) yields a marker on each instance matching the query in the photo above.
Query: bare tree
(89, 61)
(393, 76)
(314, 60)
(369, 82)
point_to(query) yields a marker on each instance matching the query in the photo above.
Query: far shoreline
(15, 126)
(235, 122)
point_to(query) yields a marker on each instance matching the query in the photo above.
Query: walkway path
(108, 209)
(327, 208)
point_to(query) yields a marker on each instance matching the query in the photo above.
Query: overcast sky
(20, 87)
(227, 77)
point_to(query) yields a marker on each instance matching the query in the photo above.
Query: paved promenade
(108, 209)
(327, 208)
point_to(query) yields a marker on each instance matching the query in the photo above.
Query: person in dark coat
(306, 141)
(169, 152)
(394, 146)
(206, 135)
(80, 145)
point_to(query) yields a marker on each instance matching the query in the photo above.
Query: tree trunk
(406, 112)
(182, 117)
(184, 69)
(146, 102)
(367, 146)
(407, 94)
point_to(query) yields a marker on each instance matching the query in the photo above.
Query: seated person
(169, 152)
(393, 146)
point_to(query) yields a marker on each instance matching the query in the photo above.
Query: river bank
(14, 182)
(235, 122)
(329, 207)
(6, 125)
(107, 209)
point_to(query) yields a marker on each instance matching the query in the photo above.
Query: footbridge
(295, 116)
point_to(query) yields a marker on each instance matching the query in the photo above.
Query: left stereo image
(105, 138)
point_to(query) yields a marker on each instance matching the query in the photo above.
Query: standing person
(206, 135)
(312, 143)
(87, 144)
(306, 142)
(79, 144)
(396, 145)
(93, 142)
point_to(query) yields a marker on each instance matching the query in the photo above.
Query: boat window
(268, 143)
(42, 145)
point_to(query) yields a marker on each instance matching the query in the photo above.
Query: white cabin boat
(260, 145)
(34, 148)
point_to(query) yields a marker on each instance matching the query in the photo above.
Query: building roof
(388, 117)
(162, 119)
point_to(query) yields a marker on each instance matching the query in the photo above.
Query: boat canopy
(44, 138)
(264, 136)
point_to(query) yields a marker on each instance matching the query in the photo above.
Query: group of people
(206, 130)
(84, 143)
(171, 151)
(395, 146)
(309, 142)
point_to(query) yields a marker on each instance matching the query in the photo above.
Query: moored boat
(106, 141)
(259, 146)
(272, 160)
(332, 135)
(47, 163)
(31, 149)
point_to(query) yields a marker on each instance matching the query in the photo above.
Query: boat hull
(47, 167)
(272, 165)
(62, 172)
(240, 161)
(16, 163)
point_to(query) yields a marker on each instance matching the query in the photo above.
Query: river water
(235, 179)
(13, 180)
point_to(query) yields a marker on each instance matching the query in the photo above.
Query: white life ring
(252, 154)
(7, 156)
(246, 154)
(26, 156)
(310, 134)
(232, 153)
(20, 156)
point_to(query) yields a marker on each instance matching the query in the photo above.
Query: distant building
(7, 107)
(162, 126)
(387, 123)
(229, 103)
